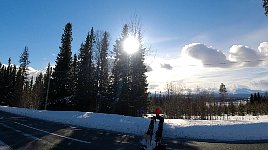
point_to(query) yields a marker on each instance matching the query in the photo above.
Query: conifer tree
(104, 104)
(28, 94)
(1, 83)
(12, 83)
(138, 82)
(251, 99)
(4, 85)
(6, 90)
(18, 88)
(74, 74)
(12, 91)
(38, 92)
(61, 83)
(119, 77)
(85, 80)
(24, 64)
(129, 85)
(47, 87)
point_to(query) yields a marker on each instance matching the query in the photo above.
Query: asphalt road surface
(23, 133)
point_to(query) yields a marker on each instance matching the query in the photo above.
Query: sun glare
(131, 45)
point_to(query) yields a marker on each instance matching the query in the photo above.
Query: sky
(191, 43)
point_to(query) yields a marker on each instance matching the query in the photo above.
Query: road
(23, 133)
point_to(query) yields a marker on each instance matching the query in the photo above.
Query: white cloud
(244, 56)
(208, 56)
(263, 48)
(239, 55)
(207, 67)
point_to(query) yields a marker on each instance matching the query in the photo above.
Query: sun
(131, 44)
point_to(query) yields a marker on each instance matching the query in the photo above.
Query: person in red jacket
(157, 111)
(158, 134)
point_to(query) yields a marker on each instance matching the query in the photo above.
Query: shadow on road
(25, 133)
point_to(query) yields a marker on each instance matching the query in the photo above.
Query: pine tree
(2, 102)
(30, 100)
(38, 92)
(47, 88)
(74, 74)
(10, 79)
(18, 88)
(7, 84)
(258, 98)
(138, 82)
(129, 85)
(24, 64)
(12, 94)
(4, 85)
(61, 83)
(255, 97)
(119, 77)
(85, 79)
(104, 104)
(251, 99)
(114, 84)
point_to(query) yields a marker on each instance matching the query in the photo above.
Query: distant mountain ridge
(247, 91)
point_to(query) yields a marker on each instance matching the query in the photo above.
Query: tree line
(86, 81)
(205, 105)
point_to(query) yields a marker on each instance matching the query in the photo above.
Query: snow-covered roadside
(250, 128)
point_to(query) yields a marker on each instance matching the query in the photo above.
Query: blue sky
(167, 25)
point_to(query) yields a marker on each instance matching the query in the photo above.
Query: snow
(236, 128)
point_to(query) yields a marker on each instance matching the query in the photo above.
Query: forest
(87, 81)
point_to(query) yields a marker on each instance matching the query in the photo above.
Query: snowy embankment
(237, 128)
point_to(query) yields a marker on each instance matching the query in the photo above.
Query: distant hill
(32, 72)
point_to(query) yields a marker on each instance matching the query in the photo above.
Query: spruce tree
(85, 79)
(114, 84)
(251, 99)
(4, 85)
(7, 84)
(1, 84)
(138, 82)
(104, 104)
(38, 92)
(74, 74)
(61, 83)
(12, 92)
(129, 84)
(24, 64)
(47, 88)
(18, 88)
(29, 97)
(13, 83)
(119, 78)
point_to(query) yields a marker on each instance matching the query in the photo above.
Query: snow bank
(237, 128)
